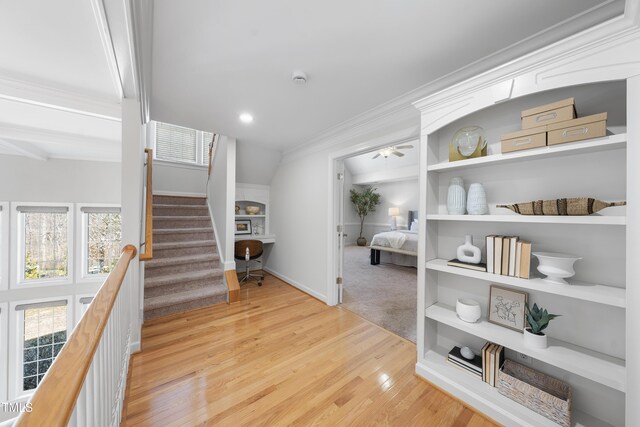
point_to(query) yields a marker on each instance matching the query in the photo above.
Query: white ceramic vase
(468, 310)
(555, 266)
(456, 197)
(532, 340)
(468, 252)
(477, 200)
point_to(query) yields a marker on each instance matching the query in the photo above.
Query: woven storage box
(539, 392)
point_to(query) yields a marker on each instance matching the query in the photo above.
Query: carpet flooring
(384, 294)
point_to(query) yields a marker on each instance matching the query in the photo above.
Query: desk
(264, 238)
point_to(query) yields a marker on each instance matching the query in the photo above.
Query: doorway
(382, 290)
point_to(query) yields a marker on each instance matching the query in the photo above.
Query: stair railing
(86, 383)
(147, 216)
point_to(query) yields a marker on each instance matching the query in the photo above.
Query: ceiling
(365, 169)
(58, 92)
(212, 60)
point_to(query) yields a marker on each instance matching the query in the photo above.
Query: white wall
(28, 180)
(171, 178)
(299, 213)
(256, 164)
(401, 194)
(221, 196)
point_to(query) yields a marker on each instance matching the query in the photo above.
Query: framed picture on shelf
(506, 307)
(243, 226)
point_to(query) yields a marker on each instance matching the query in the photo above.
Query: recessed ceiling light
(246, 118)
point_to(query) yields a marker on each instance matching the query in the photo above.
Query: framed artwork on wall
(506, 307)
(243, 226)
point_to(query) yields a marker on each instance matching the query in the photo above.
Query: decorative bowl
(252, 210)
(468, 310)
(555, 266)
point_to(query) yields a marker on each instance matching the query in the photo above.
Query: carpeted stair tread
(186, 277)
(179, 200)
(187, 207)
(181, 218)
(178, 245)
(189, 259)
(184, 297)
(182, 230)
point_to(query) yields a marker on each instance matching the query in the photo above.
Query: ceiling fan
(394, 149)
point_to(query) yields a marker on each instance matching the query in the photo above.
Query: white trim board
(295, 284)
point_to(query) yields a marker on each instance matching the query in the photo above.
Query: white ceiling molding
(24, 149)
(402, 108)
(58, 99)
(118, 14)
(107, 45)
(387, 175)
(44, 136)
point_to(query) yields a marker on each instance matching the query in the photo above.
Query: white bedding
(400, 239)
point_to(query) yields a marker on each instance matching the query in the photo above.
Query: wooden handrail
(148, 220)
(56, 396)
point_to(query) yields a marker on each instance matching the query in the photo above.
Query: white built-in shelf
(601, 294)
(535, 219)
(435, 368)
(589, 364)
(243, 216)
(611, 142)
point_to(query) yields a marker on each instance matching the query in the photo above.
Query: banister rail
(55, 399)
(148, 216)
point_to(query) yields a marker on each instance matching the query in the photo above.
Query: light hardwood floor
(280, 357)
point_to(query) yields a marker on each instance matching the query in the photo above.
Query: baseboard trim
(135, 347)
(229, 265)
(179, 194)
(295, 284)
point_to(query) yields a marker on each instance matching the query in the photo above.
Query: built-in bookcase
(588, 346)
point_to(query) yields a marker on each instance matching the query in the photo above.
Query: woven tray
(539, 392)
(571, 206)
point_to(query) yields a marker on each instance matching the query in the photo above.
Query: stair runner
(185, 271)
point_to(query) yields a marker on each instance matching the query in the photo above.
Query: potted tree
(364, 202)
(538, 319)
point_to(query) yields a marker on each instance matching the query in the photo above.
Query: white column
(133, 144)
(633, 253)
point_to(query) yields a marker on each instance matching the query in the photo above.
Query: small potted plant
(537, 320)
(364, 203)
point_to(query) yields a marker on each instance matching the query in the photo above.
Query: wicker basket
(539, 392)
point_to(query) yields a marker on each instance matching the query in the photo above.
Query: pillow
(414, 226)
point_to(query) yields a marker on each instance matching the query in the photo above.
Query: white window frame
(4, 345)
(17, 255)
(5, 215)
(82, 230)
(79, 307)
(16, 333)
(200, 152)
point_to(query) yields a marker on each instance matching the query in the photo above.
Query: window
(43, 242)
(102, 241)
(44, 332)
(179, 144)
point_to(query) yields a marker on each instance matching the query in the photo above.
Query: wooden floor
(281, 357)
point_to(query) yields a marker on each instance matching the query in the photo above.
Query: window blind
(175, 143)
(42, 209)
(46, 304)
(103, 210)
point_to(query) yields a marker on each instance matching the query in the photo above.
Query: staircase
(185, 271)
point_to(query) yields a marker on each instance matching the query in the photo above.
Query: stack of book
(472, 366)
(508, 256)
(492, 360)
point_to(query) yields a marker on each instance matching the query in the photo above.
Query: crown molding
(45, 136)
(107, 45)
(63, 99)
(401, 108)
(24, 149)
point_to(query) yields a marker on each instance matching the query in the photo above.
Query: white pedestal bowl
(556, 266)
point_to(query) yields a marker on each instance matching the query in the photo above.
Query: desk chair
(247, 251)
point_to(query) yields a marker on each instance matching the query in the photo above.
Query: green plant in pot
(364, 203)
(537, 321)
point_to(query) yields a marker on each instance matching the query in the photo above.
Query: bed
(398, 247)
